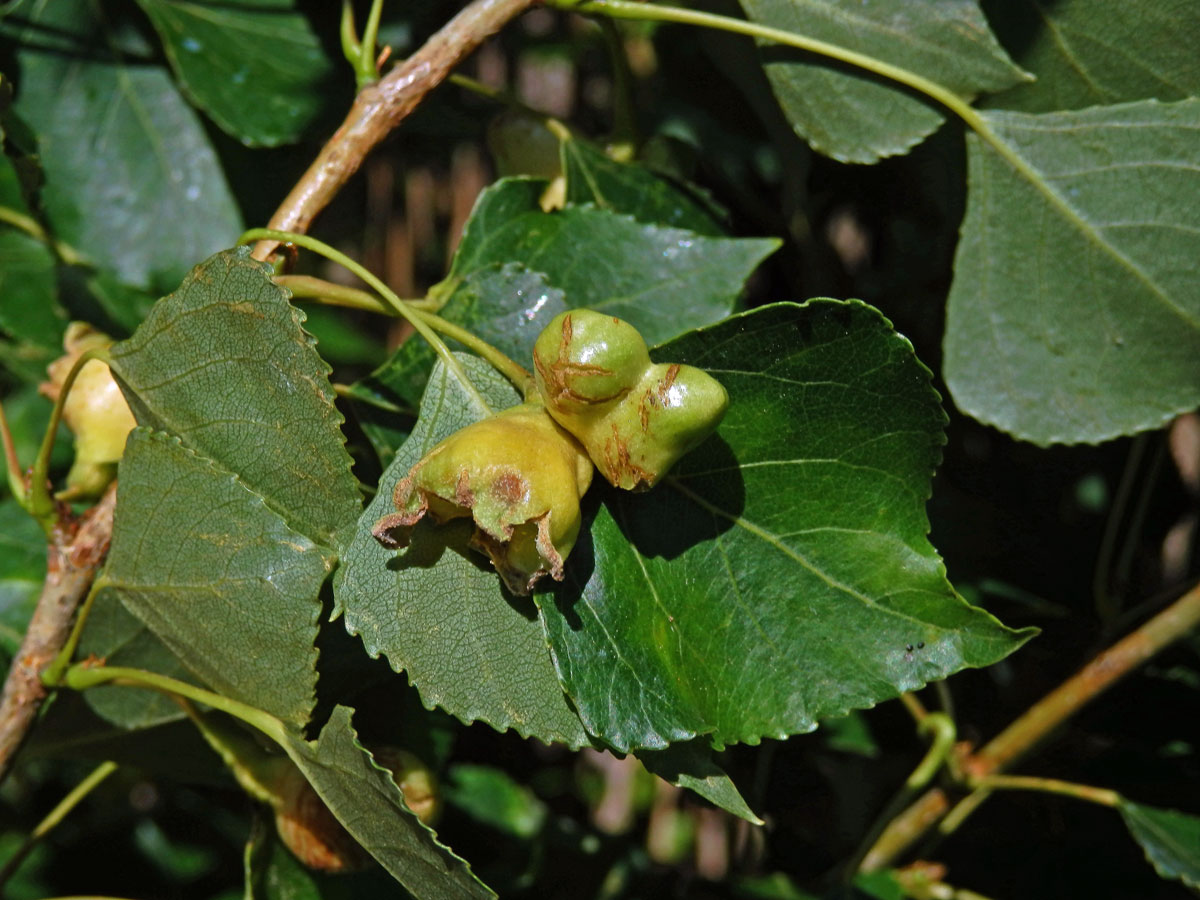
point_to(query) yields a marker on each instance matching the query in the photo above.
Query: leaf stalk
(393, 302)
(73, 798)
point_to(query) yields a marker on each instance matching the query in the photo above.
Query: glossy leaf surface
(663, 280)
(505, 305)
(1074, 315)
(437, 611)
(631, 189)
(797, 549)
(845, 112)
(258, 69)
(145, 216)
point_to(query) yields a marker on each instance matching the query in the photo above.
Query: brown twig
(73, 556)
(380, 107)
(1039, 720)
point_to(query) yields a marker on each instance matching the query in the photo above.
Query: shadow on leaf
(696, 503)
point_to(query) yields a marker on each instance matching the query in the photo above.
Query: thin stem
(627, 9)
(1087, 792)
(55, 816)
(348, 34)
(81, 676)
(41, 503)
(495, 94)
(53, 673)
(1137, 523)
(255, 770)
(380, 107)
(513, 371)
(12, 465)
(307, 287)
(388, 296)
(915, 707)
(942, 733)
(1028, 730)
(369, 68)
(34, 229)
(625, 129)
(499, 95)
(1092, 680)
(945, 697)
(1112, 528)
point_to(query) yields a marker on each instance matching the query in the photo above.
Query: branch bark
(72, 560)
(380, 107)
(1029, 729)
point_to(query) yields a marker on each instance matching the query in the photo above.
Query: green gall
(95, 410)
(584, 361)
(518, 475)
(635, 418)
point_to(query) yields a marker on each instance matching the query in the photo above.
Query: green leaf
(793, 542)
(662, 280)
(259, 70)
(368, 803)
(690, 765)
(224, 364)
(22, 569)
(1074, 315)
(115, 635)
(29, 310)
(847, 113)
(506, 305)
(491, 797)
(1085, 53)
(131, 179)
(437, 610)
(217, 575)
(633, 190)
(1170, 838)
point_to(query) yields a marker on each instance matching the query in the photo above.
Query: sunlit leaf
(218, 576)
(792, 543)
(663, 280)
(224, 364)
(437, 611)
(848, 114)
(1074, 315)
(633, 190)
